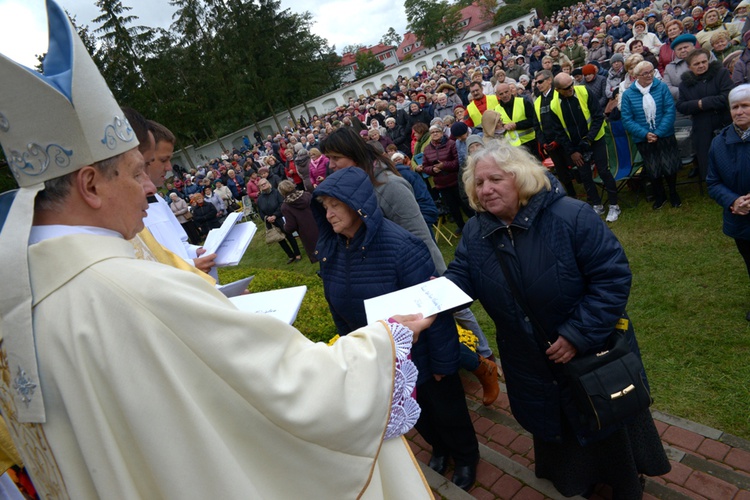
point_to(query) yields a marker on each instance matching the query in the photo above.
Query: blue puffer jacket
(381, 258)
(576, 279)
(729, 178)
(634, 119)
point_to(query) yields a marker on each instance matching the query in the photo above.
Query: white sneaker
(599, 209)
(614, 213)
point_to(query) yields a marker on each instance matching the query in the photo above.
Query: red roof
(409, 40)
(472, 15)
(378, 49)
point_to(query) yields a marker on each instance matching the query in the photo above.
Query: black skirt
(618, 460)
(660, 158)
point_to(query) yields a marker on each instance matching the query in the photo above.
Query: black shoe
(675, 200)
(658, 204)
(747, 316)
(693, 173)
(291, 260)
(439, 463)
(464, 476)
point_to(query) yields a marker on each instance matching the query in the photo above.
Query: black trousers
(744, 247)
(445, 422)
(452, 200)
(598, 158)
(563, 173)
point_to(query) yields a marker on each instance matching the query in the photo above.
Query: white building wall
(327, 102)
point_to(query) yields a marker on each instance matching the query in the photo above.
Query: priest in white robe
(123, 378)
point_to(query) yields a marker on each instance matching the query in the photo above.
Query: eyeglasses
(568, 87)
(537, 82)
(647, 73)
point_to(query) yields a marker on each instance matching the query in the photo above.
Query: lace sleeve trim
(404, 408)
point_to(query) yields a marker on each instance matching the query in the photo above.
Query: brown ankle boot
(487, 375)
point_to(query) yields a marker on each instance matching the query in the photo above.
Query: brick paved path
(706, 463)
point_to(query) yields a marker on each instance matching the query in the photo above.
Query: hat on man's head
(458, 129)
(589, 69)
(685, 37)
(51, 124)
(617, 57)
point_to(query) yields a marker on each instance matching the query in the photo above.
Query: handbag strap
(539, 332)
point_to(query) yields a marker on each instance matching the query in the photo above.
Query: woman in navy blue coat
(728, 176)
(363, 255)
(576, 281)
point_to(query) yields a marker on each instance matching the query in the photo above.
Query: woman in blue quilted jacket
(363, 255)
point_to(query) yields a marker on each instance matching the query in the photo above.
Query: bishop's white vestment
(155, 386)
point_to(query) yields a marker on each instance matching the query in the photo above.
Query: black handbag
(606, 386)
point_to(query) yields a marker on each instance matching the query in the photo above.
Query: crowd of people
(362, 186)
(598, 44)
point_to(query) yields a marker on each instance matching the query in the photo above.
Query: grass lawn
(687, 303)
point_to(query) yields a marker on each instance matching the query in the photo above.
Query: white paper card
(236, 287)
(428, 298)
(216, 236)
(282, 304)
(233, 248)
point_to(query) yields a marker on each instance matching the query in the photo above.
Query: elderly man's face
(123, 197)
(682, 50)
(503, 92)
(740, 111)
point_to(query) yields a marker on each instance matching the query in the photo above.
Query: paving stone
(423, 456)
(687, 493)
(502, 434)
(482, 494)
(500, 449)
(735, 442)
(482, 424)
(488, 474)
(521, 460)
(719, 470)
(713, 449)
(419, 440)
(678, 475)
(661, 426)
(683, 438)
(710, 487)
(739, 459)
(521, 445)
(528, 493)
(688, 425)
(742, 495)
(506, 487)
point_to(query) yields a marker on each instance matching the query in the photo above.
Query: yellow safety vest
(516, 137)
(583, 99)
(474, 113)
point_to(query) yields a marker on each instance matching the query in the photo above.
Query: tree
(391, 38)
(121, 52)
(433, 22)
(352, 48)
(367, 64)
(513, 11)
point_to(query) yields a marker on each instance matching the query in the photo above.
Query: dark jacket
(400, 137)
(712, 89)
(298, 217)
(270, 204)
(576, 279)
(206, 217)
(381, 258)
(729, 178)
(446, 153)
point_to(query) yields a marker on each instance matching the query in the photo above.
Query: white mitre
(51, 124)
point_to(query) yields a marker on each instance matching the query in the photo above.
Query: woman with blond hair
(576, 280)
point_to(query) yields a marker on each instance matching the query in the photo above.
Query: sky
(23, 23)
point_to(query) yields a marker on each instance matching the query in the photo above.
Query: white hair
(740, 93)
